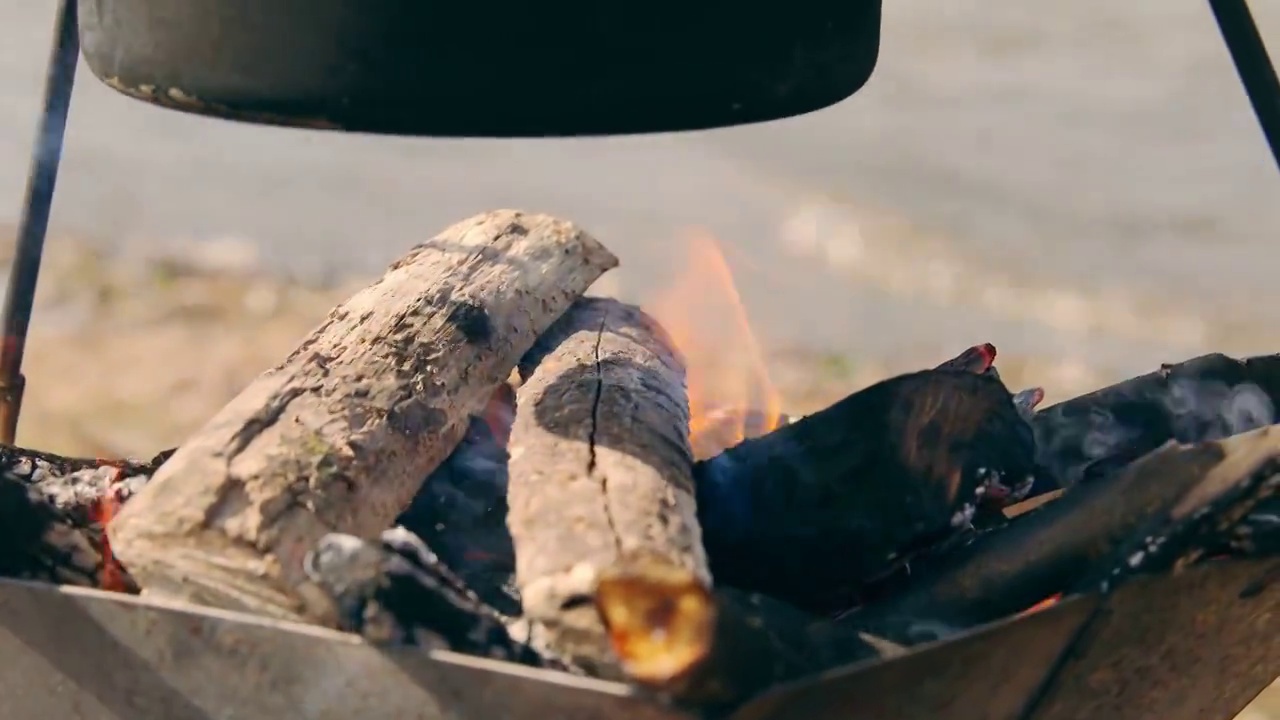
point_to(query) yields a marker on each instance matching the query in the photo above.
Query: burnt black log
(816, 509)
(461, 509)
(396, 591)
(1205, 398)
(1180, 502)
(53, 511)
(978, 359)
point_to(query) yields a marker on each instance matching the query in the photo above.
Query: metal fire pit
(1182, 647)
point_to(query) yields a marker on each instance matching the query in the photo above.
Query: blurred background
(1081, 183)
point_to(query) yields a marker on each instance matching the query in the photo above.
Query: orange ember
(1046, 603)
(111, 576)
(703, 313)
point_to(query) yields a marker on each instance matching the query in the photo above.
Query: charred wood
(885, 472)
(1099, 532)
(1205, 398)
(1259, 532)
(52, 515)
(600, 467)
(461, 509)
(339, 436)
(395, 591)
(978, 359)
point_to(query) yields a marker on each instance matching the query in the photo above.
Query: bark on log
(887, 471)
(52, 512)
(339, 436)
(600, 468)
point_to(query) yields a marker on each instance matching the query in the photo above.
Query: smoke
(1105, 435)
(1125, 423)
(1202, 410)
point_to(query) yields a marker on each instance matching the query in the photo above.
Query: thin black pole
(43, 175)
(1257, 74)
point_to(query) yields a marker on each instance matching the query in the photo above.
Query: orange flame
(727, 376)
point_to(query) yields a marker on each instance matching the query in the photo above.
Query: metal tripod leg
(1257, 74)
(35, 215)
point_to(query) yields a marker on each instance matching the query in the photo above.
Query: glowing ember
(703, 313)
(111, 577)
(1043, 604)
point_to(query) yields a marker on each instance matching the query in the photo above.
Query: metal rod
(1257, 74)
(42, 177)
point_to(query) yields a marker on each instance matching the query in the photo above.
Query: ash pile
(569, 522)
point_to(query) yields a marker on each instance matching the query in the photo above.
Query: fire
(111, 577)
(1043, 604)
(703, 313)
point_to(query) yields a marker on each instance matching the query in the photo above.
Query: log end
(660, 619)
(214, 571)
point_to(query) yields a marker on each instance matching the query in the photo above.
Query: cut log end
(660, 619)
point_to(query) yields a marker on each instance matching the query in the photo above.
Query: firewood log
(712, 650)
(1097, 527)
(600, 468)
(814, 510)
(1205, 398)
(52, 513)
(339, 436)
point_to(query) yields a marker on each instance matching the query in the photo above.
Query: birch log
(600, 469)
(339, 436)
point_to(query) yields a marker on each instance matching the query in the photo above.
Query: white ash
(83, 488)
(1027, 400)
(963, 518)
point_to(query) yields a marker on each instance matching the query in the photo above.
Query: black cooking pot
(498, 68)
